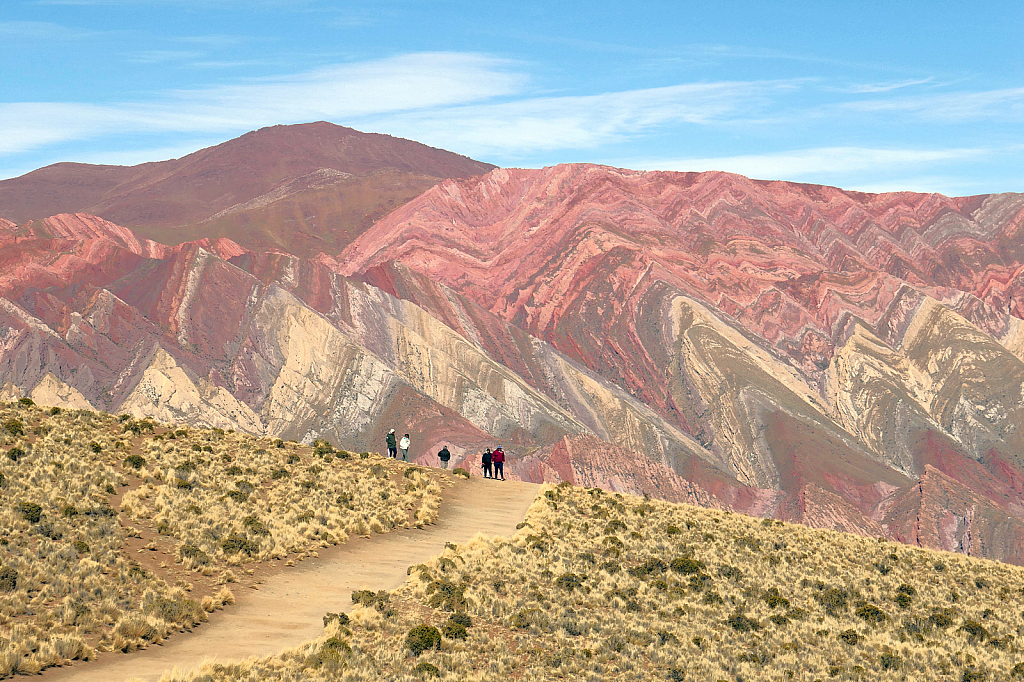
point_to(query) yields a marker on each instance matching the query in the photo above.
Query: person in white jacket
(403, 445)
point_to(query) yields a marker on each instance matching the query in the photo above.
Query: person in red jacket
(498, 459)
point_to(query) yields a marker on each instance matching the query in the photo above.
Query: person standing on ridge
(485, 463)
(444, 456)
(498, 457)
(403, 445)
(392, 444)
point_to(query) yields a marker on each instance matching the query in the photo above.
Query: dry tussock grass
(597, 586)
(77, 486)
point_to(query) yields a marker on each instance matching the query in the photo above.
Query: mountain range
(836, 358)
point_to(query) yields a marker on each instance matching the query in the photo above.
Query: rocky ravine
(841, 359)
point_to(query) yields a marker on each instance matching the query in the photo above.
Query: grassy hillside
(597, 586)
(116, 532)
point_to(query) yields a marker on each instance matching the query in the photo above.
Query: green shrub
(135, 461)
(774, 598)
(68, 511)
(8, 579)
(81, 546)
(14, 427)
(942, 618)
(742, 623)
(14, 454)
(871, 613)
(342, 618)
(459, 471)
(423, 638)
(462, 619)
(192, 552)
(1018, 670)
(652, 566)
(54, 411)
(890, 661)
(570, 581)
(972, 674)
(975, 630)
(453, 630)
(446, 595)
(833, 599)
(849, 636)
(235, 543)
(330, 653)
(30, 511)
(95, 447)
(673, 529)
(26, 402)
(687, 566)
(255, 526)
(426, 669)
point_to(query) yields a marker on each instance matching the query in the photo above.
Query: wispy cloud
(161, 56)
(864, 88)
(340, 92)
(953, 107)
(44, 30)
(816, 162)
(576, 122)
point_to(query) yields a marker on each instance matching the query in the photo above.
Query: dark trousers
(487, 470)
(499, 470)
(392, 452)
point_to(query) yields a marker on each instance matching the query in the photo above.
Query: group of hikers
(492, 462)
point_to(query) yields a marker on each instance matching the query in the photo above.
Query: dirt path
(288, 609)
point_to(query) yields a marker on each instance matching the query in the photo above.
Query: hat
(391, 431)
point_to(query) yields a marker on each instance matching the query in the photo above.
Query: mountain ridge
(836, 358)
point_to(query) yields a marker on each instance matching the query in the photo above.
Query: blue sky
(867, 95)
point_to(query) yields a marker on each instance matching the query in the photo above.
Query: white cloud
(817, 162)
(863, 88)
(339, 93)
(950, 107)
(575, 122)
(44, 30)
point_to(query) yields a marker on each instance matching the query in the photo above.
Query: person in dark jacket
(485, 463)
(498, 457)
(392, 444)
(444, 456)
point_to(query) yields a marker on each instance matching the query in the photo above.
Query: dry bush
(595, 586)
(69, 586)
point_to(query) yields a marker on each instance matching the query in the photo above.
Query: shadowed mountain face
(840, 359)
(300, 188)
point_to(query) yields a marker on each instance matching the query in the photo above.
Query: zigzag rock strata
(841, 359)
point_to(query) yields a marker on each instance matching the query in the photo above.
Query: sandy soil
(287, 609)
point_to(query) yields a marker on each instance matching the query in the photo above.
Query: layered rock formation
(840, 359)
(831, 346)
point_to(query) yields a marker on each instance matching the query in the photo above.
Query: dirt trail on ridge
(288, 608)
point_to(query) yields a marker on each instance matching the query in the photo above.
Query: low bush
(135, 461)
(426, 669)
(423, 638)
(8, 579)
(30, 511)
